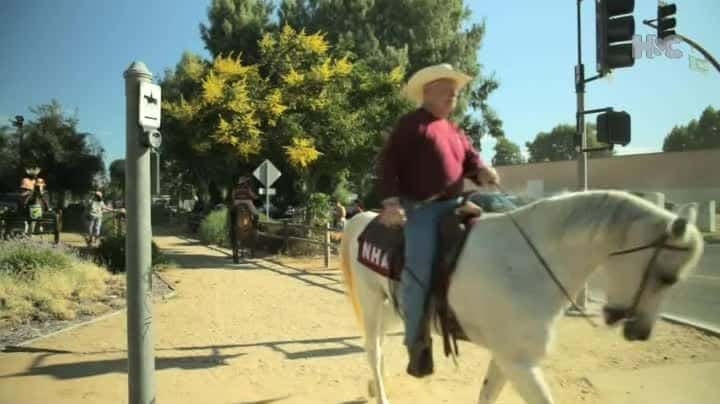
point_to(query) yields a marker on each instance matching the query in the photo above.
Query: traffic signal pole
(580, 139)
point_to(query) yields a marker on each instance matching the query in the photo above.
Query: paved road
(699, 297)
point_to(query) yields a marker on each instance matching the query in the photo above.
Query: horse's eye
(668, 279)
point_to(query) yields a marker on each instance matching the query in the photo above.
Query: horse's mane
(598, 210)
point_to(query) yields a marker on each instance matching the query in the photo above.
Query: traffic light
(613, 128)
(666, 20)
(615, 27)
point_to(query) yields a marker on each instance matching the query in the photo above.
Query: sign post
(267, 174)
(142, 121)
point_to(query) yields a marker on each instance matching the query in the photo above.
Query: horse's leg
(234, 242)
(493, 384)
(374, 315)
(528, 380)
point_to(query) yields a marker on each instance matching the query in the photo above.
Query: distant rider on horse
(33, 201)
(243, 194)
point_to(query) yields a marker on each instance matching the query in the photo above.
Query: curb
(72, 327)
(714, 331)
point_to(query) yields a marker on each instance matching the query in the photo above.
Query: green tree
(115, 188)
(386, 33)
(8, 160)
(237, 26)
(117, 173)
(69, 160)
(558, 144)
(507, 153)
(697, 134)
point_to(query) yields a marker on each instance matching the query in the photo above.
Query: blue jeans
(421, 238)
(94, 226)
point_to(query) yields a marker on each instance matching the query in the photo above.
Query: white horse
(506, 300)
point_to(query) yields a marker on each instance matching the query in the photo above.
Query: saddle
(382, 249)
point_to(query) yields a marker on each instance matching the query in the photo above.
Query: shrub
(111, 254)
(110, 226)
(24, 257)
(213, 228)
(319, 211)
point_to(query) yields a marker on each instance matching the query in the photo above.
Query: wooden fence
(325, 241)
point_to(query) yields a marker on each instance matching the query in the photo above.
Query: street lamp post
(18, 123)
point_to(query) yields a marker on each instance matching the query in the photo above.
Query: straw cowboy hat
(414, 88)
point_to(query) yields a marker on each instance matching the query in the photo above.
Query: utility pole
(141, 360)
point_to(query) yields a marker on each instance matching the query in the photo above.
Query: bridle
(659, 244)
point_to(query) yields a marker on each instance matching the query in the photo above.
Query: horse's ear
(688, 212)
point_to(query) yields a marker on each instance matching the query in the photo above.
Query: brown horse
(243, 231)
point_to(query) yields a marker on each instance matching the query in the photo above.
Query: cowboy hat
(242, 179)
(414, 87)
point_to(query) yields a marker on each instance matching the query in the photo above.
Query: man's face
(441, 95)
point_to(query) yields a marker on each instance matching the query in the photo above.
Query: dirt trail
(282, 331)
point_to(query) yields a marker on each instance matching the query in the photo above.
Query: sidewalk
(269, 332)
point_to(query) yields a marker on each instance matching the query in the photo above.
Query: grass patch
(24, 258)
(41, 282)
(213, 228)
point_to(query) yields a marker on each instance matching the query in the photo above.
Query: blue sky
(76, 51)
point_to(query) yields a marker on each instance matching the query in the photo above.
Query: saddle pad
(382, 249)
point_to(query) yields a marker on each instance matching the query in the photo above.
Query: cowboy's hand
(392, 213)
(487, 176)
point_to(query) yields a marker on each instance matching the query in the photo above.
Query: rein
(549, 271)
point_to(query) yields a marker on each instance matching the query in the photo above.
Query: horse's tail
(348, 276)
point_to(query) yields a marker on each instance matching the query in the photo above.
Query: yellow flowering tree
(314, 113)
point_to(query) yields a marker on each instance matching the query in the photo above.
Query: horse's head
(640, 275)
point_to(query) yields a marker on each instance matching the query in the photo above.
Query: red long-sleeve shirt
(426, 156)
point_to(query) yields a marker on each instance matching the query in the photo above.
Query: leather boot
(421, 357)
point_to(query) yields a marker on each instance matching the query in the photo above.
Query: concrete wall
(692, 176)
